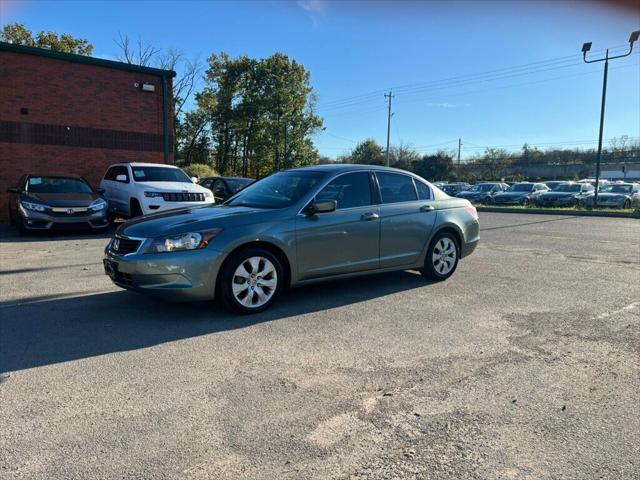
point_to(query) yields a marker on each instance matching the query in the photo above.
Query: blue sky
(357, 50)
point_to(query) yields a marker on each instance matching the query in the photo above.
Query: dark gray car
(292, 228)
(48, 202)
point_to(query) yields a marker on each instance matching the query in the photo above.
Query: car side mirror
(13, 190)
(100, 190)
(121, 178)
(321, 207)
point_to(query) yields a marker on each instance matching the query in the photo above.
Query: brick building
(64, 113)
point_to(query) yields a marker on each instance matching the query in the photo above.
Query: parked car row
(127, 190)
(550, 194)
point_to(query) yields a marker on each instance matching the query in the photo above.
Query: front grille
(124, 246)
(183, 197)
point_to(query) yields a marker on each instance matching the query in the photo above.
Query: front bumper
(560, 202)
(32, 220)
(189, 275)
(606, 203)
(153, 205)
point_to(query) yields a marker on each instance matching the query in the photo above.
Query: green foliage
(438, 166)
(18, 34)
(367, 152)
(258, 114)
(200, 170)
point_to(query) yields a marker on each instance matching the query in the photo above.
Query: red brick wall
(60, 92)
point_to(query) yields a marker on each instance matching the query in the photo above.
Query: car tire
(442, 257)
(134, 208)
(526, 202)
(627, 204)
(250, 281)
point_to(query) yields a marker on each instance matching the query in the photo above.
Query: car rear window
(395, 187)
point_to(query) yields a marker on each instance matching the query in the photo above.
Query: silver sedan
(293, 228)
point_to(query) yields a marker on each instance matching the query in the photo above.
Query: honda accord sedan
(293, 228)
(48, 202)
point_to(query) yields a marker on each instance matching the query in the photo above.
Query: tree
(367, 152)
(260, 114)
(403, 156)
(438, 166)
(18, 34)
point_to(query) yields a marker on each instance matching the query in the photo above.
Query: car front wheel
(442, 257)
(250, 281)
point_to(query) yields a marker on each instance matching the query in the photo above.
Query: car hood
(180, 187)
(612, 196)
(62, 199)
(197, 218)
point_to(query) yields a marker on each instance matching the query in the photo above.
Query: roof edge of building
(72, 57)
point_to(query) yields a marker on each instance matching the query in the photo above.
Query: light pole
(585, 48)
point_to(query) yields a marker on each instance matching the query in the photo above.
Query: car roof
(143, 164)
(346, 167)
(56, 175)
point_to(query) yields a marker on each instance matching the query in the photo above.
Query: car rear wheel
(250, 281)
(442, 257)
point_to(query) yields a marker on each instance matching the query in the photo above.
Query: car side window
(121, 170)
(395, 187)
(424, 192)
(349, 190)
(110, 175)
(219, 187)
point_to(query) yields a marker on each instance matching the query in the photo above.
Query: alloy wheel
(254, 282)
(444, 255)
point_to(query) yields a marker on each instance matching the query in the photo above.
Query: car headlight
(208, 194)
(184, 241)
(152, 194)
(36, 207)
(98, 205)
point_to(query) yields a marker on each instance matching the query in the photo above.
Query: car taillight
(472, 210)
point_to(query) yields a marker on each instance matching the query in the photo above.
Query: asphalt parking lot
(525, 364)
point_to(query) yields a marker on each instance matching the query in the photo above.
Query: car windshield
(159, 174)
(616, 189)
(483, 187)
(567, 188)
(236, 184)
(57, 185)
(520, 187)
(279, 190)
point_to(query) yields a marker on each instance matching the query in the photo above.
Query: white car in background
(134, 189)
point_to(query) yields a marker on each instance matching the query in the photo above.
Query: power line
(523, 68)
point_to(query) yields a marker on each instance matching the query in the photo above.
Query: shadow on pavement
(9, 234)
(43, 331)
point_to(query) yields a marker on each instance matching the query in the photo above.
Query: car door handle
(369, 216)
(427, 208)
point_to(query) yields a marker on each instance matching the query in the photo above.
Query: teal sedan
(293, 228)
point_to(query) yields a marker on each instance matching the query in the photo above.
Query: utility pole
(459, 148)
(585, 48)
(389, 96)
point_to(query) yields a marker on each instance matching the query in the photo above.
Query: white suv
(134, 189)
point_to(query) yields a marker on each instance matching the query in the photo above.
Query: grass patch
(629, 211)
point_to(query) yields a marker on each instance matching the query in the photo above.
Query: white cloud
(312, 6)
